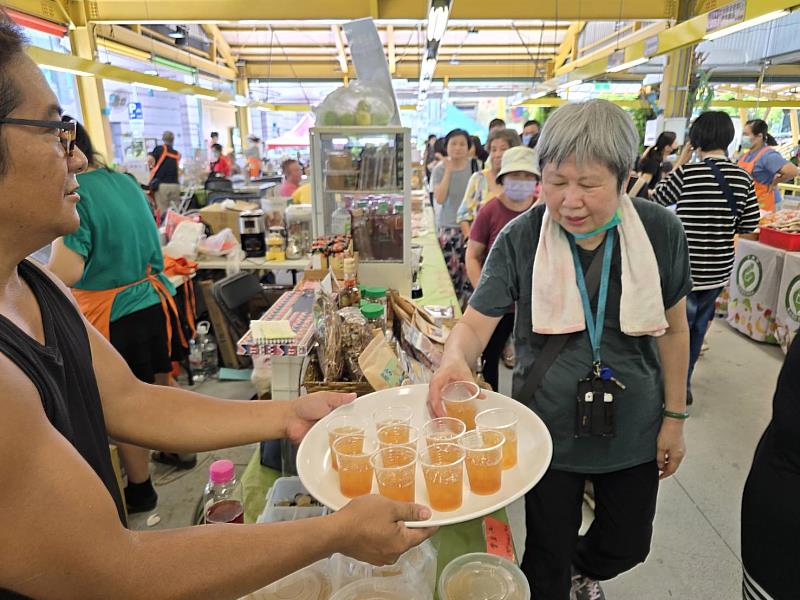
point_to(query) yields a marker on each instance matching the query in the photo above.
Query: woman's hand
(449, 372)
(372, 529)
(306, 410)
(671, 448)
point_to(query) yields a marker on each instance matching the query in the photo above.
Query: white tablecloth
(754, 286)
(788, 314)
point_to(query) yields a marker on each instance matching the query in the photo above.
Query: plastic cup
(392, 415)
(443, 468)
(443, 430)
(353, 453)
(484, 460)
(505, 421)
(460, 401)
(398, 435)
(343, 425)
(396, 470)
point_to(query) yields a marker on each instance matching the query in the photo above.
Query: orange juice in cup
(505, 421)
(340, 426)
(443, 468)
(484, 460)
(395, 470)
(398, 435)
(443, 430)
(460, 401)
(353, 454)
(392, 415)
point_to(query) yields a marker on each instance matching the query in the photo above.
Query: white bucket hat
(519, 158)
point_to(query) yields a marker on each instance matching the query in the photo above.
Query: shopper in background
(518, 177)
(770, 522)
(114, 264)
(253, 156)
(530, 133)
(429, 156)
(765, 164)
(302, 195)
(496, 123)
(478, 153)
(449, 182)
(164, 162)
(585, 155)
(483, 186)
(715, 201)
(292, 177)
(220, 164)
(651, 165)
(66, 389)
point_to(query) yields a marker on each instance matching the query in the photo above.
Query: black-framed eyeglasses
(67, 130)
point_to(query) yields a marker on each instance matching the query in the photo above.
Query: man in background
(164, 163)
(530, 133)
(292, 177)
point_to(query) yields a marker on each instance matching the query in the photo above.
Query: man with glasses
(65, 389)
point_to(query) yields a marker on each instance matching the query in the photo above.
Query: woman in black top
(650, 168)
(770, 521)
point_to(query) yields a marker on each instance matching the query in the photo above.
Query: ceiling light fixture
(628, 65)
(570, 84)
(149, 86)
(77, 72)
(760, 20)
(180, 31)
(205, 97)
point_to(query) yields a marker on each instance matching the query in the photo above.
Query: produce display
(357, 105)
(787, 221)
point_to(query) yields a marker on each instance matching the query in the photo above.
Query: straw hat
(519, 158)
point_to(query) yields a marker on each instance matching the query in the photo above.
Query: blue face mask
(519, 190)
(615, 220)
(526, 138)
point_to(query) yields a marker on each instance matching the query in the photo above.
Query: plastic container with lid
(375, 315)
(311, 583)
(481, 576)
(375, 295)
(383, 588)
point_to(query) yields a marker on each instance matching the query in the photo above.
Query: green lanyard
(594, 325)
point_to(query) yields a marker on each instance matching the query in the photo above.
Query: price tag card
(498, 538)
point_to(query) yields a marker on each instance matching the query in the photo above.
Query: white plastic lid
(481, 576)
(308, 584)
(380, 588)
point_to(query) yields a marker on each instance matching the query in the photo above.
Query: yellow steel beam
(391, 49)
(793, 122)
(220, 44)
(127, 37)
(51, 10)
(340, 53)
(46, 58)
(208, 11)
(569, 44)
(521, 69)
(242, 112)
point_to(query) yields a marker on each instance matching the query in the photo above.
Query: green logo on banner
(748, 275)
(793, 299)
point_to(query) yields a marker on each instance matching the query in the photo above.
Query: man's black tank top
(63, 374)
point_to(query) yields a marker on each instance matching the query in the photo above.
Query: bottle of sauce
(223, 500)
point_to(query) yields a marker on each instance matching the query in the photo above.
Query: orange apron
(96, 307)
(766, 197)
(184, 268)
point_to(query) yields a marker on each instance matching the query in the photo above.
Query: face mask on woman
(519, 190)
(747, 143)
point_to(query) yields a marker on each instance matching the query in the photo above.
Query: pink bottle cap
(221, 471)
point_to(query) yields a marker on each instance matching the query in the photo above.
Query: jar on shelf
(375, 314)
(299, 230)
(276, 244)
(375, 295)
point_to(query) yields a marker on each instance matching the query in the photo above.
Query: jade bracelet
(676, 415)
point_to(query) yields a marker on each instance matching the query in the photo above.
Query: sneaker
(584, 588)
(138, 502)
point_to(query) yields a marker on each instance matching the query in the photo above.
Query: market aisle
(696, 550)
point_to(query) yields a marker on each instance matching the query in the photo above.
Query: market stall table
(753, 290)
(787, 317)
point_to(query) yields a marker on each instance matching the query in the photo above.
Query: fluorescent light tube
(149, 86)
(628, 65)
(67, 70)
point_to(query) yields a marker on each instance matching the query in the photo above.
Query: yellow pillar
(243, 112)
(674, 97)
(90, 89)
(501, 108)
(795, 127)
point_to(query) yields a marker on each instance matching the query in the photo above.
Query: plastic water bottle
(341, 219)
(210, 358)
(203, 356)
(196, 359)
(223, 500)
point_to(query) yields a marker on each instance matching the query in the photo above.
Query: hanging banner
(725, 16)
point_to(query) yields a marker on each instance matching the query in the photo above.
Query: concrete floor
(695, 553)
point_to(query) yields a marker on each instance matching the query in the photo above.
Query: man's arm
(68, 542)
(65, 263)
(474, 261)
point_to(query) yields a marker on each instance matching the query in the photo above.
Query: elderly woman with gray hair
(602, 343)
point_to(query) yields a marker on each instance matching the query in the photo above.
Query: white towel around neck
(556, 305)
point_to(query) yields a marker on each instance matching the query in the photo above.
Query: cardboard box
(218, 218)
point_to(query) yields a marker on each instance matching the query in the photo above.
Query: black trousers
(494, 350)
(617, 541)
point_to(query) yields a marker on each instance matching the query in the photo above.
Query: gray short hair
(509, 136)
(168, 138)
(593, 131)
